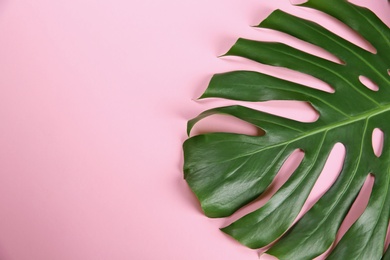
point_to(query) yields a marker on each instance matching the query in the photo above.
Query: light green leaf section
(227, 171)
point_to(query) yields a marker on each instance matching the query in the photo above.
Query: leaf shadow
(187, 195)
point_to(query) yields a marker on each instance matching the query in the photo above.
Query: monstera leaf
(226, 171)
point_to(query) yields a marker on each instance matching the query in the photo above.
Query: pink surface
(94, 99)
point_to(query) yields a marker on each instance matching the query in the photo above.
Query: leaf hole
(357, 208)
(225, 124)
(380, 8)
(297, 2)
(240, 63)
(336, 26)
(368, 83)
(387, 242)
(285, 172)
(271, 35)
(301, 111)
(330, 173)
(377, 141)
(354, 213)
(266, 256)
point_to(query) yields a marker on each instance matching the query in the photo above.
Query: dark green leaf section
(356, 58)
(227, 171)
(369, 231)
(253, 229)
(360, 19)
(338, 76)
(387, 254)
(254, 86)
(321, 223)
(238, 165)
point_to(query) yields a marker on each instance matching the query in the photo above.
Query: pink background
(94, 98)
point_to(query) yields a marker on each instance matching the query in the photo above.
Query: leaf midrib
(363, 116)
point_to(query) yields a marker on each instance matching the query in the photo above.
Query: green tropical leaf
(226, 171)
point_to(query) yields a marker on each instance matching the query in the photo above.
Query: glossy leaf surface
(227, 171)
